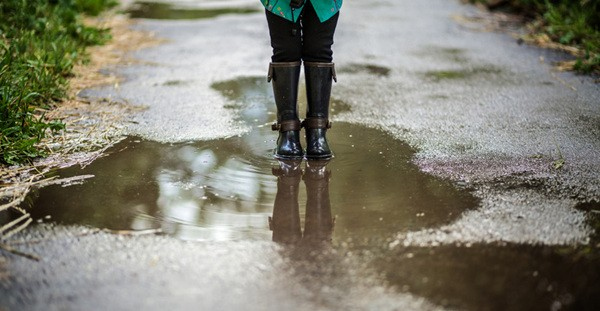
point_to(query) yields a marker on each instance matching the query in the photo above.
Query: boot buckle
(288, 125)
(316, 123)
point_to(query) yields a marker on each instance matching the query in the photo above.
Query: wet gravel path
(481, 110)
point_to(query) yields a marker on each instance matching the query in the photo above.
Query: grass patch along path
(572, 26)
(40, 43)
(84, 129)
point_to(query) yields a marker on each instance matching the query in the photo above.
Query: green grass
(40, 42)
(576, 23)
(570, 22)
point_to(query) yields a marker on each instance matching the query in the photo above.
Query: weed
(560, 162)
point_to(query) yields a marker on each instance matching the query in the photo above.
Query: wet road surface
(442, 193)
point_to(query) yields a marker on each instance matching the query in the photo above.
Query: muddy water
(228, 189)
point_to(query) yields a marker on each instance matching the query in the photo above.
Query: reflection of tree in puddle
(206, 194)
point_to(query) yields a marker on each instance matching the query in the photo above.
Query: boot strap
(288, 125)
(316, 123)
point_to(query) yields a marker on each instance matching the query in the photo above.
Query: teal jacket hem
(325, 8)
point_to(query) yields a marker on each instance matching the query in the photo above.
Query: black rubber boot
(318, 225)
(284, 77)
(318, 92)
(285, 222)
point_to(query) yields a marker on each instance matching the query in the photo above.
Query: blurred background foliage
(574, 23)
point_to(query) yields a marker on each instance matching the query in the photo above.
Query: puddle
(593, 220)
(366, 68)
(175, 83)
(457, 57)
(226, 189)
(461, 74)
(495, 277)
(453, 55)
(158, 10)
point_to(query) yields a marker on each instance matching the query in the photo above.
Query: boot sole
(319, 157)
(282, 157)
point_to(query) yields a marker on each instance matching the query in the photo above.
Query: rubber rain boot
(285, 78)
(318, 92)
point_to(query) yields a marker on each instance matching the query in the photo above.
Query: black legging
(312, 40)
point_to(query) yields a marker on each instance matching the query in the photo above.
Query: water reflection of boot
(318, 92)
(319, 223)
(285, 78)
(285, 222)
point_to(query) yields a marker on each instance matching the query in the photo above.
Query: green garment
(325, 8)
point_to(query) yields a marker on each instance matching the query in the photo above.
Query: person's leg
(284, 72)
(317, 37)
(287, 47)
(319, 72)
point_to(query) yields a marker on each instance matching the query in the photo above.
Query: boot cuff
(323, 65)
(281, 65)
